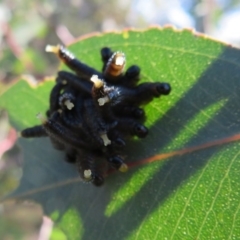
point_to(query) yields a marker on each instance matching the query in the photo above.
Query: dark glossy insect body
(92, 113)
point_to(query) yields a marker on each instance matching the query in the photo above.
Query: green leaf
(194, 193)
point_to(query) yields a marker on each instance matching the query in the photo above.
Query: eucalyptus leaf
(192, 194)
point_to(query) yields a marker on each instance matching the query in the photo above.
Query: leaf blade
(203, 73)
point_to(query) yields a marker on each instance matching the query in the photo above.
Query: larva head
(115, 65)
(61, 52)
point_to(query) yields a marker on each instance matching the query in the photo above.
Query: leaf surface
(194, 193)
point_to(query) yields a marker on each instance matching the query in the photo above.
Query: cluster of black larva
(92, 113)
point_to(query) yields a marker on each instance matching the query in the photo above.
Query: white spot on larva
(120, 60)
(106, 140)
(69, 104)
(102, 101)
(41, 117)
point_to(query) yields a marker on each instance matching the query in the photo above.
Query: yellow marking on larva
(87, 174)
(54, 49)
(98, 83)
(123, 168)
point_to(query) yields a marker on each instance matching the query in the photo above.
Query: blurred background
(27, 26)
